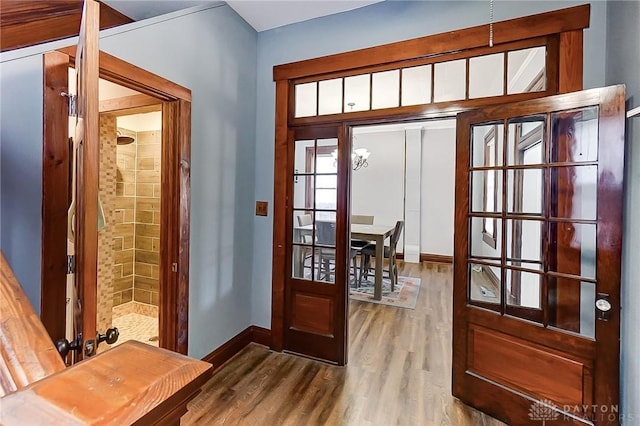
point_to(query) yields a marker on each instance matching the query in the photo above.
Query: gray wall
(212, 52)
(380, 23)
(21, 170)
(623, 66)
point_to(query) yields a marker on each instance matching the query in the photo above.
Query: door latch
(603, 306)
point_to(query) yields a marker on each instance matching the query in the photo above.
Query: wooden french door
(539, 190)
(86, 155)
(317, 265)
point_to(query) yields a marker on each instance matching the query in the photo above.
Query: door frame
(565, 26)
(175, 196)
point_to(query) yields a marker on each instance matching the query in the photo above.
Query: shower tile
(118, 243)
(147, 257)
(127, 269)
(155, 271)
(156, 245)
(126, 175)
(156, 190)
(155, 300)
(143, 296)
(117, 298)
(129, 189)
(123, 256)
(124, 229)
(156, 218)
(145, 203)
(145, 283)
(117, 271)
(121, 284)
(129, 216)
(147, 230)
(144, 189)
(125, 202)
(144, 216)
(127, 295)
(144, 270)
(144, 243)
(146, 163)
(128, 242)
(119, 189)
(147, 176)
(149, 150)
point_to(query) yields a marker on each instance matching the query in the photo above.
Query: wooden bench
(132, 383)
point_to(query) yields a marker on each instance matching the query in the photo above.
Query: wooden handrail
(133, 383)
(26, 351)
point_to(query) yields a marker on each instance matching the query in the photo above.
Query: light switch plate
(262, 208)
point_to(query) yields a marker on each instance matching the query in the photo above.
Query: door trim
(566, 23)
(175, 197)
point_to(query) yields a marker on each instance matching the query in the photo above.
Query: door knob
(64, 346)
(603, 306)
(111, 336)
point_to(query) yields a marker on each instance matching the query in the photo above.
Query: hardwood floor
(399, 372)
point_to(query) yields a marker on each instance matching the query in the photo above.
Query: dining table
(376, 233)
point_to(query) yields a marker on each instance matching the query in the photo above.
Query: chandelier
(358, 158)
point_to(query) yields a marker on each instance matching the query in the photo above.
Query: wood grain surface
(123, 385)
(399, 372)
(27, 353)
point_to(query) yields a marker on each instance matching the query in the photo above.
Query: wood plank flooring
(399, 372)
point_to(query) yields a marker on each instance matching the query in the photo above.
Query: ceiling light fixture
(358, 158)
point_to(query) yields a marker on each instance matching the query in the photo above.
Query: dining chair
(389, 253)
(326, 235)
(360, 219)
(305, 238)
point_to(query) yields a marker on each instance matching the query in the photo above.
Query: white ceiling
(260, 14)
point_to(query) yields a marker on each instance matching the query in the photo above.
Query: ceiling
(260, 14)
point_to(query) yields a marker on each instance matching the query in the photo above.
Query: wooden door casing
(501, 364)
(175, 198)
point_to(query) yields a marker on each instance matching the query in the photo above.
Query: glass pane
(524, 289)
(302, 227)
(386, 89)
(330, 101)
(524, 243)
(450, 81)
(525, 191)
(574, 135)
(325, 268)
(485, 239)
(572, 305)
(486, 191)
(574, 192)
(326, 222)
(486, 145)
(301, 262)
(416, 85)
(526, 70)
(356, 93)
(306, 97)
(572, 249)
(304, 157)
(486, 76)
(485, 283)
(303, 192)
(525, 142)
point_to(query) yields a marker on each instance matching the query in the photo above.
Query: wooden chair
(305, 238)
(131, 383)
(389, 253)
(326, 235)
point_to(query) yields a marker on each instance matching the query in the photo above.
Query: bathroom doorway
(135, 236)
(162, 253)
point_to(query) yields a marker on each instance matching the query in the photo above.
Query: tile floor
(138, 327)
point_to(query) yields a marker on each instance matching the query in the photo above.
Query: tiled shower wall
(123, 236)
(147, 230)
(137, 232)
(107, 197)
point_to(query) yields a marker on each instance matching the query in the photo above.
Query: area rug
(405, 294)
